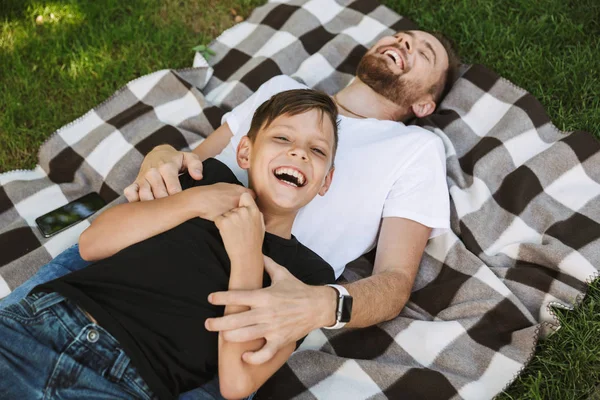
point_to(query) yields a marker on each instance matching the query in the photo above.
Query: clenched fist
(242, 229)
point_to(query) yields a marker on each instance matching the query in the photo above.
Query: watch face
(346, 308)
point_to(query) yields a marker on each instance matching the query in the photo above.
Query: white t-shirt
(382, 169)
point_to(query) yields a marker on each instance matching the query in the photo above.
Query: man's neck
(359, 100)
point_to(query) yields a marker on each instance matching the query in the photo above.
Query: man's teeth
(394, 55)
(300, 178)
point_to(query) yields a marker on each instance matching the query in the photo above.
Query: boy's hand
(242, 229)
(216, 199)
(158, 176)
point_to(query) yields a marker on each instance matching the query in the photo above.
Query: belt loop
(120, 365)
(46, 301)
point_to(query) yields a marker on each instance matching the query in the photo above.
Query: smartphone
(70, 214)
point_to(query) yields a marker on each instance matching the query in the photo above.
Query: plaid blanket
(524, 200)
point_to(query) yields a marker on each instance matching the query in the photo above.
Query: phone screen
(69, 214)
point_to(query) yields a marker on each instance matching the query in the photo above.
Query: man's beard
(375, 73)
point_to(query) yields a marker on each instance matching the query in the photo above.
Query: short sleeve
(240, 117)
(213, 171)
(421, 193)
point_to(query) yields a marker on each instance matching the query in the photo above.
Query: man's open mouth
(395, 56)
(290, 176)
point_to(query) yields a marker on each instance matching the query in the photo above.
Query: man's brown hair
(294, 102)
(440, 89)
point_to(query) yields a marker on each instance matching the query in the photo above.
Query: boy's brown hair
(294, 102)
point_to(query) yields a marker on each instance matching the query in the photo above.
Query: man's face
(290, 162)
(403, 67)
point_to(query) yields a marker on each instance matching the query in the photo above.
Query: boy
(132, 324)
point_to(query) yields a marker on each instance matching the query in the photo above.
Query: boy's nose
(298, 153)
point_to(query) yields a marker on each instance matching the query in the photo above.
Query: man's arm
(289, 309)
(383, 295)
(159, 170)
(130, 223)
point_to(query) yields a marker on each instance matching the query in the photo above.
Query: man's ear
(327, 183)
(244, 150)
(423, 107)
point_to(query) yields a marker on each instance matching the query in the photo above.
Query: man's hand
(158, 176)
(282, 313)
(242, 229)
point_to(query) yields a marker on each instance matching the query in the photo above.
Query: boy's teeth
(292, 172)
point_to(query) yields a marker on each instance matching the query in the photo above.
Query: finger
(246, 200)
(218, 220)
(273, 269)
(251, 192)
(170, 176)
(232, 321)
(131, 192)
(192, 162)
(157, 185)
(245, 334)
(261, 356)
(145, 190)
(250, 298)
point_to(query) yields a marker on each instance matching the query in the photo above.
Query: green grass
(54, 72)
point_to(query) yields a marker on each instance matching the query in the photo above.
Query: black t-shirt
(152, 296)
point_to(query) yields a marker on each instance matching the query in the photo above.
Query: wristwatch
(343, 309)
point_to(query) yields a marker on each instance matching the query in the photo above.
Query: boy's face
(290, 162)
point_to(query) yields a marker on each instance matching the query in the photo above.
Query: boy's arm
(238, 379)
(126, 224)
(242, 230)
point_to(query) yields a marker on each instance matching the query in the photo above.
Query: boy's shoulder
(213, 171)
(321, 271)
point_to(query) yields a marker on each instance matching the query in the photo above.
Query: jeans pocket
(23, 312)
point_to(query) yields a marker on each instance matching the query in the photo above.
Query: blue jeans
(50, 349)
(67, 262)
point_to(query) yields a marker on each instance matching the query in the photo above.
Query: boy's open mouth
(290, 176)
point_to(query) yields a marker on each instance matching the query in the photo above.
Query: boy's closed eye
(319, 151)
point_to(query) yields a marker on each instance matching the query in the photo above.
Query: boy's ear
(244, 150)
(327, 183)
(423, 107)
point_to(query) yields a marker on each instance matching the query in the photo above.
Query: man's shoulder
(280, 83)
(309, 256)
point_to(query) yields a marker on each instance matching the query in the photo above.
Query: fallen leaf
(238, 19)
(233, 12)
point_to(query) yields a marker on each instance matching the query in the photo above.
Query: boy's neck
(278, 224)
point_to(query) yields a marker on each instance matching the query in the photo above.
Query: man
(401, 77)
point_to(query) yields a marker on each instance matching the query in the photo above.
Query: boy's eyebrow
(284, 126)
(320, 139)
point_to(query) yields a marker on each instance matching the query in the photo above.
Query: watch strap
(341, 291)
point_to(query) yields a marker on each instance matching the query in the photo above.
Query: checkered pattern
(525, 216)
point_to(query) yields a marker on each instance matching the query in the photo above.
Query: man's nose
(407, 43)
